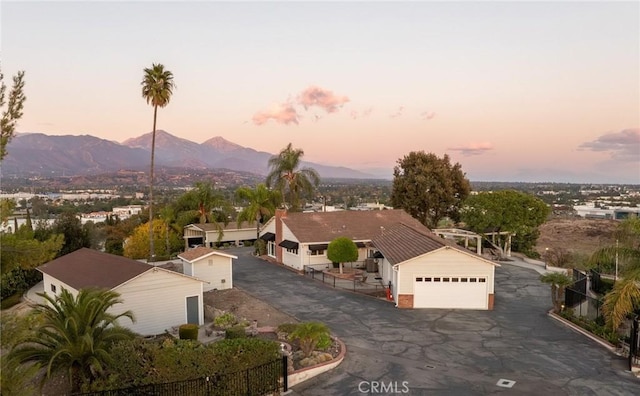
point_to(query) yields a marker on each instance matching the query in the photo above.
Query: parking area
(514, 349)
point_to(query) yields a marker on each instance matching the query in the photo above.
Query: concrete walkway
(516, 349)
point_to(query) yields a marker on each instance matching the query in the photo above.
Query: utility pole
(616, 277)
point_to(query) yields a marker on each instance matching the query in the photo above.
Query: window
(293, 251)
(482, 280)
(463, 279)
(418, 279)
(436, 279)
(427, 279)
(53, 288)
(445, 279)
(454, 279)
(472, 279)
(317, 252)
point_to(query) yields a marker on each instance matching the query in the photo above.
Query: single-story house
(427, 271)
(159, 298)
(210, 265)
(208, 234)
(299, 239)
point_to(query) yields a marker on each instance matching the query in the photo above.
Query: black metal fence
(268, 378)
(576, 298)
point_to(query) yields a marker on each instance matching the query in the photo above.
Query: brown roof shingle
(195, 253)
(357, 225)
(91, 268)
(402, 242)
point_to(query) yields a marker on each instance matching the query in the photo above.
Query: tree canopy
(429, 188)
(137, 246)
(286, 175)
(342, 250)
(261, 205)
(75, 335)
(13, 111)
(624, 299)
(507, 210)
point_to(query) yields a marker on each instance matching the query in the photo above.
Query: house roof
(91, 268)
(201, 252)
(232, 225)
(404, 242)
(317, 227)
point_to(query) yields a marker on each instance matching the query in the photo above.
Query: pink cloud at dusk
(427, 115)
(473, 148)
(282, 113)
(364, 113)
(325, 99)
(622, 146)
(398, 112)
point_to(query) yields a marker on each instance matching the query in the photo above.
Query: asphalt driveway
(443, 352)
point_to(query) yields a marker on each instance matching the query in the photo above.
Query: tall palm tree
(75, 336)
(157, 88)
(286, 175)
(261, 204)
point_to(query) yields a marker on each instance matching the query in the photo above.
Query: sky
(513, 91)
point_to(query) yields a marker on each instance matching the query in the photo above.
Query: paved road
(443, 352)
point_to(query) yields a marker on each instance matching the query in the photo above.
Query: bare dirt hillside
(582, 236)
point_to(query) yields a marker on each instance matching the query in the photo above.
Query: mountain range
(40, 154)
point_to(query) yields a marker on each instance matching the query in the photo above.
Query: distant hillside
(40, 154)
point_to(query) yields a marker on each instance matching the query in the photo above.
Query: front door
(193, 311)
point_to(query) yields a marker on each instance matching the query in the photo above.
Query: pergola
(458, 234)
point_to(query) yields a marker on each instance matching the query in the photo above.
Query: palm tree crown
(157, 88)
(76, 334)
(288, 178)
(261, 205)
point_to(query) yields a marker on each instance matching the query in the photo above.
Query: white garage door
(468, 292)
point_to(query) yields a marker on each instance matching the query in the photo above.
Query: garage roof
(402, 242)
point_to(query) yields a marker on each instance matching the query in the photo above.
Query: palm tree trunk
(153, 156)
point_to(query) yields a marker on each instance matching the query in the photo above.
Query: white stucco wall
(158, 300)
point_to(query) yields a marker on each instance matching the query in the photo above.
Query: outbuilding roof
(90, 268)
(200, 252)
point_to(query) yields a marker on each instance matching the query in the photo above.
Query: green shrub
(242, 353)
(260, 247)
(324, 342)
(287, 328)
(188, 331)
(225, 320)
(235, 332)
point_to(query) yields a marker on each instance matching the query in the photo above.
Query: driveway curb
(582, 331)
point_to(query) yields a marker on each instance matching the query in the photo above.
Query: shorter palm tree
(558, 281)
(261, 206)
(75, 336)
(308, 335)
